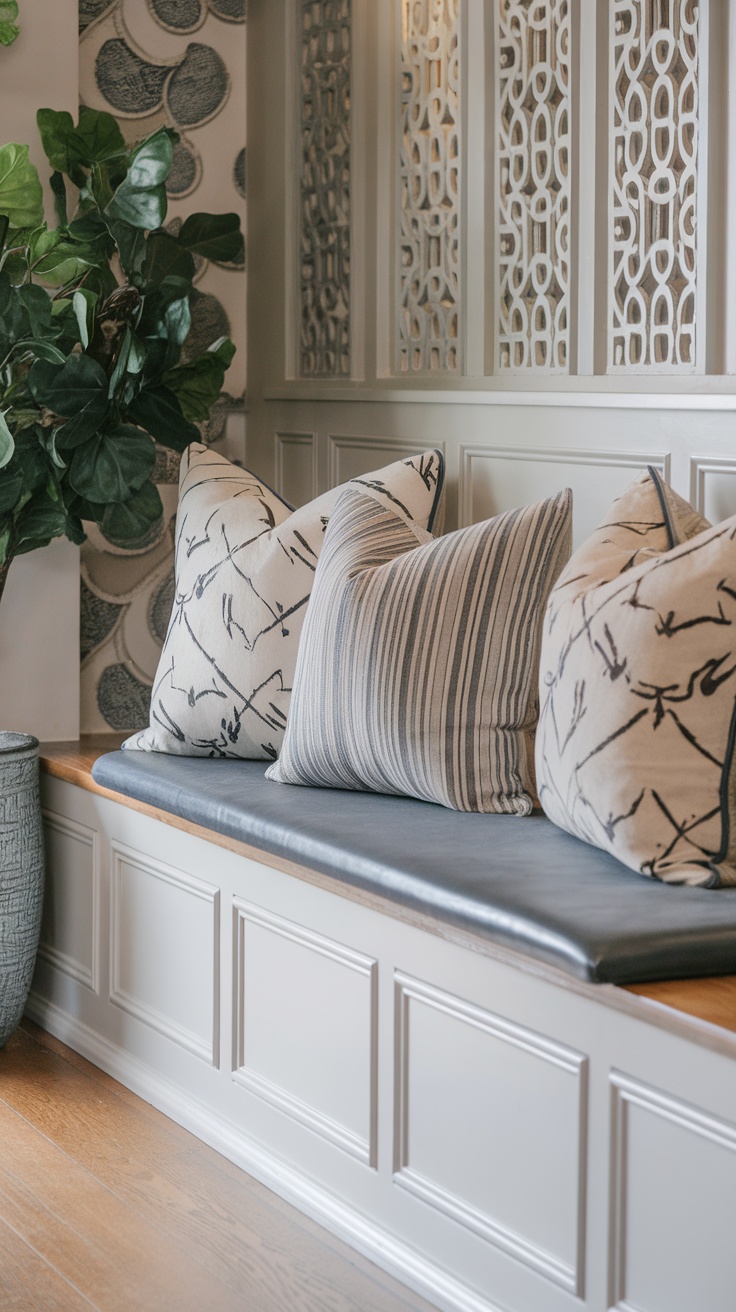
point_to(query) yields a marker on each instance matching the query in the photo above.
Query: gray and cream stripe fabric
(417, 669)
(245, 563)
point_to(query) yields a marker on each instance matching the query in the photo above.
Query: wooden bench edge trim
(72, 763)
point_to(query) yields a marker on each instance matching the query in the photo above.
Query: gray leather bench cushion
(520, 882)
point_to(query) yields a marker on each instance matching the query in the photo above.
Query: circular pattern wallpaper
(140, 60)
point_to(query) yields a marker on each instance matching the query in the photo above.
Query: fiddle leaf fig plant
(9, 29)
(93, 317)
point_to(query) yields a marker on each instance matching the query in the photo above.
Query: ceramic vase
(21, 874)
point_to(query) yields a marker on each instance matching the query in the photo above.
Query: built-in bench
(409, 1022)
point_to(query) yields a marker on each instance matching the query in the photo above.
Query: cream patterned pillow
(245, 563)
(635, 745)
(417, 671)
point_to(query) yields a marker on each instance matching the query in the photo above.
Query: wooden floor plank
(119, 1156)
(22, 1270)
(98, 1243)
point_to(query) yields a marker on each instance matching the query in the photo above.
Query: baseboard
(378, 1245)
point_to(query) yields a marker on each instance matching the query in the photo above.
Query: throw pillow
(418, 664)
(244, 567)
(635, 746)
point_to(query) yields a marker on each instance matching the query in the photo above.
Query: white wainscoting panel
(349, 457)
(674, 1181)
(306, 1029)
(70, 926)
(499, 1148)
(164, 950)
(713, 486)
(296, 466)
(493, 479)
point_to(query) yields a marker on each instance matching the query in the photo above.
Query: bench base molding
(369, 1239)
(495, 1139)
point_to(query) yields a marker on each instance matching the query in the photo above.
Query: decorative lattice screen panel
(429, 334)
(533, 193)
(324, 191)
(655, 54)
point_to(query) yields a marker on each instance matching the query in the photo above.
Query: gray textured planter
(21, 874)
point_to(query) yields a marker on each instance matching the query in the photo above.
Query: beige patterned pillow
(635, 745)
(417, 670)
(245, 563)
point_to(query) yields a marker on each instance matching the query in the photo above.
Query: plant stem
(3, 576)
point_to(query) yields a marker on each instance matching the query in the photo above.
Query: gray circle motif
(209, 321)
(89, 10)
(124, 702)
(186, 170)
(233, 11)
(98, 618)
(177, 15)
(239, 174)
(161, 604)
(199, 86)
(128, 83)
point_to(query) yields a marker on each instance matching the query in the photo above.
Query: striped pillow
(418, 664)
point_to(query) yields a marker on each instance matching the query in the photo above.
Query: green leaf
(42, 349)
(68, 388)
(21, 196)
(68, 261)
(16, 267)
(84, 424)
(100, 137)
(165, 258)
(100, 186)
(58, 186)
(158, 411)
(74, 530)
(129, 523)
(11, 489)
(143, 209)
(113, 464)
(178, 321)
(150, 163)
(7, 444)
(40, 521)
(93, 230)
(47, 438)
(4, 225)
(56, 129)
(215, 236)
(101, 281)
(198, 385)
(79, 305)
(97, 140)
(131, 244)
(141, 197)
(30, 460)
(9, 29)
(37, 304)
(129, 361)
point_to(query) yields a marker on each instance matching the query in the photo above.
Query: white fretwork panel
(324, 266)
(653, 189)
(429, 188)
(533, 256)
